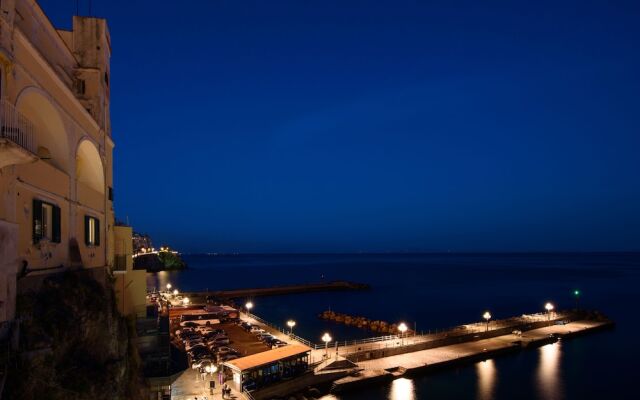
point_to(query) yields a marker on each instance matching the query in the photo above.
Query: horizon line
(436, 252)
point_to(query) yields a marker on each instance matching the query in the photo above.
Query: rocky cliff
(74, 344)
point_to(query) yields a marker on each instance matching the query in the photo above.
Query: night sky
(344, 126)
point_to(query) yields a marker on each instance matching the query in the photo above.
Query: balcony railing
(17, 128)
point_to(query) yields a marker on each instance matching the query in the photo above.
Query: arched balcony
(50, 136)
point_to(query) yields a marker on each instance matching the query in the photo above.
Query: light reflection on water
(159, 281)
(549, 375)
(402, 389)
(486, 375)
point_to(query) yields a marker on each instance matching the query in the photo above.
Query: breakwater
(377, 326)
(280, 290)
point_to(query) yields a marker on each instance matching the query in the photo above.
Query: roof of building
(267, 357)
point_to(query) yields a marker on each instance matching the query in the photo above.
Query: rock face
(162, 261)
(74, 344)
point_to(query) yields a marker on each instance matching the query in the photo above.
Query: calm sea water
(434, 291)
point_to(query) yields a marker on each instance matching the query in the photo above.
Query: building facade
(56, 184)
(130, 285)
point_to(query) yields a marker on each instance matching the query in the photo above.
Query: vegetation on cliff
(171, 260)
(74, 344)
(160, 261)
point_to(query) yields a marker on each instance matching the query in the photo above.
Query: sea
(436, 291)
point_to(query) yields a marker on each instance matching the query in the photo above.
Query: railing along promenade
(348, 347)
(247, 395)
(16, 127)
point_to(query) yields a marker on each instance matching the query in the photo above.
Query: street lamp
(402, 328)
(576, 294)
(487, 317)
(291, 323)
(249, 306)
(209, 370)
(168, 286)
(326, 338)
(185, 301)
(175, 292)
(549, 307)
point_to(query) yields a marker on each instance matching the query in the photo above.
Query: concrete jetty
(387, 368)
(281, 290)
(383, 360)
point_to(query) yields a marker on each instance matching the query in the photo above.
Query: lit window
(46, 222)
(91, 231)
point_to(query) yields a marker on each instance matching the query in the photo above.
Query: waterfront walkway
(394, 344)
(393, 357)
(445, 354)
(387, 368)
(190, 385)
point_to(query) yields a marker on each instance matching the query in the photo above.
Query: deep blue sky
(275, 126)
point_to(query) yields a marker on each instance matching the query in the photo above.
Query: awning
(266, 357)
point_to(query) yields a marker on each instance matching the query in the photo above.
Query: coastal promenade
(386, 358)
(387, 368)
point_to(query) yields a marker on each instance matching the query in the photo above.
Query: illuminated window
(46, 222)
(91, 231)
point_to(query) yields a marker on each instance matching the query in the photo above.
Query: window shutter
(55, 225)
(97, 232)
(37, 220)
(86, 230)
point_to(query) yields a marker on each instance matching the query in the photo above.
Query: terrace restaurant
(257, 370)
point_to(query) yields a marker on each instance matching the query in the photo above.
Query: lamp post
(576, 294)
(209, 370)
(487, 317)
(291, 323)
(185, 301)
(549, 307)
(168, 286)
(248, 306)
(326, 338)
(175, 292)
(402, 328)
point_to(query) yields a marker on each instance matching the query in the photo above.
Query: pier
(279, 290)
(353, 364)
(424, 361)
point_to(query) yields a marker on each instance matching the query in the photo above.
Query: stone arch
(89, 168)
(51, 134)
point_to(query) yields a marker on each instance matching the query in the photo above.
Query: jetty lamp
(326, 338)
(549, 307)
(291, 323)
(402, 328)
(487, 317)
(249, 306)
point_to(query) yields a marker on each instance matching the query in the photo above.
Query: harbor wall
(372, 353)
